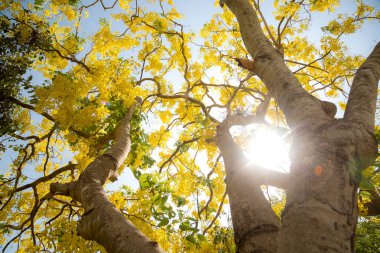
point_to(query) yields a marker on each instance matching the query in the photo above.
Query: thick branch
(267, 177)
(255, 224)
(269, 66)
(120, 149)
(253, 37)
(266, 25)
(361, 103)
(102, 221)
(243, 120)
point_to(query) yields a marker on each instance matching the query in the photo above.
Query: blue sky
(198, 12)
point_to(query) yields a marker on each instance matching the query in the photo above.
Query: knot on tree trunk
(67, 189)
(246, 64)
(329, 108)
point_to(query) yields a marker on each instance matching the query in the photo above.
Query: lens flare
(268, 148)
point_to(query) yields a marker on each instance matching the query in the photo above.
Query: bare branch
(68, 167)
(266, 176)
(217, 214)
(176, 151)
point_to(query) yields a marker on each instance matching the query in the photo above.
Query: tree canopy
(71, 70)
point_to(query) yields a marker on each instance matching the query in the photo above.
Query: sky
(198, 12)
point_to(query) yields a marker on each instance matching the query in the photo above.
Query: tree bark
(361, 104)
(321, 208)
(102, 221)
(327, 154)
(327, 159)
(255, 224)
(269, 66)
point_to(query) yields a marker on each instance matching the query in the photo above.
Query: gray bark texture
(255, 224)
(102, 221)
(327, 154)
(321, 189)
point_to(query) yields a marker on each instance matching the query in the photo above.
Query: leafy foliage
(368, 236)
(94, 76)
(16, 57)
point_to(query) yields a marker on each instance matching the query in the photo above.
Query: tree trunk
(327, 154)
(102, 221)
(258, 231)
(321, 202)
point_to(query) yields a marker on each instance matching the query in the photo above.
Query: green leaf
(366, 184)
(191, 239)
(193, 230)
(145, 181)
(185, 226)
(73, 2)
(164, 222)
(164, 199)
(181, 201)
(38, 4)
(201, 237)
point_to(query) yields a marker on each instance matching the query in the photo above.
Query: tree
(15, 60)
(87, 110)
(367, 236)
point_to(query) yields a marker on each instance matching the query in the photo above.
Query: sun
(268, 148)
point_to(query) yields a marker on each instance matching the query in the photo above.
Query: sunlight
(268, 148)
